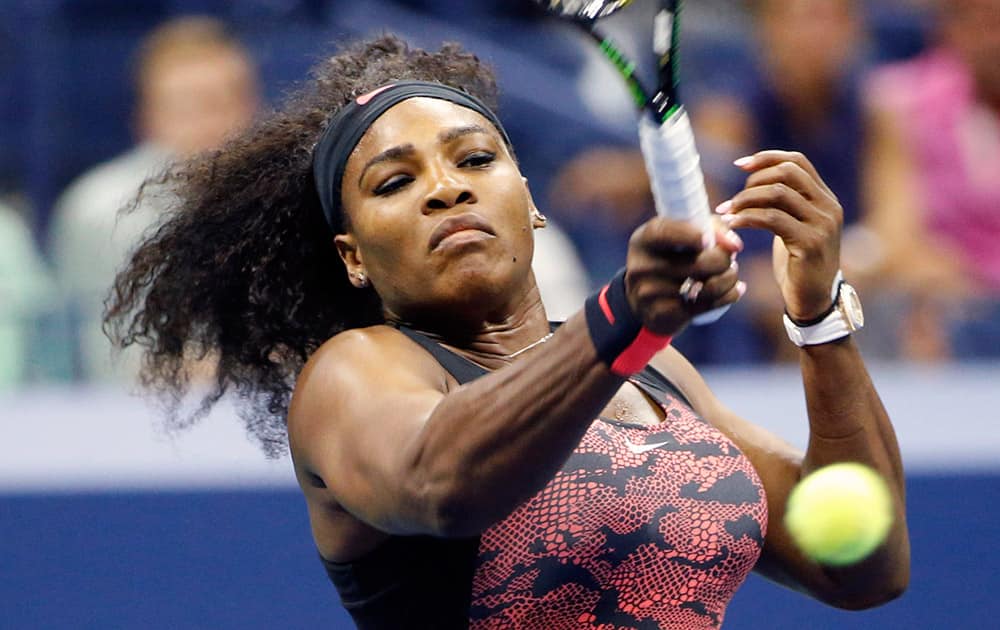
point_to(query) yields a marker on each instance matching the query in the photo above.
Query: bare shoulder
(356, 401)
(359, 346)
(349, 370)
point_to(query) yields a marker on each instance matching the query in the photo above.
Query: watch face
(850, 305)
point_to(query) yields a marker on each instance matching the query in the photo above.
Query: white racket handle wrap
(674, 170)
(676, 180)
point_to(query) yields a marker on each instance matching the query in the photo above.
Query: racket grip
(676, 180)
(674, 169)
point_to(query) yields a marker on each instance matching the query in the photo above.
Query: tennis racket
(665, 135)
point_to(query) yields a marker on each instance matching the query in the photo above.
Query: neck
(490, 340)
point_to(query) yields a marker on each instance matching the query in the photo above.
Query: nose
(448, 192)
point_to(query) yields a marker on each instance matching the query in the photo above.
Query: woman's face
(808, 43)
(440, 217)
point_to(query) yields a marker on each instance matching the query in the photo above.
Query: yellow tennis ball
(839, 514)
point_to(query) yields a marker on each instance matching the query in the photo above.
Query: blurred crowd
(897, 103)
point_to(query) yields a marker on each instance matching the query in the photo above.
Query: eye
(478, 159)
(391, 185)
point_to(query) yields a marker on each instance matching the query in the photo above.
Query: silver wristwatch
(845, 317)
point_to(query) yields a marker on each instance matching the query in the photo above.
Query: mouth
(456, 224)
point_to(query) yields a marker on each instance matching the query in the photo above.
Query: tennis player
(360, 262)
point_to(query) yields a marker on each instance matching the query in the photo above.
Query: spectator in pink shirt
(933, 181)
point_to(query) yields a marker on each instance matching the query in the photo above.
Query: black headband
(353, 120)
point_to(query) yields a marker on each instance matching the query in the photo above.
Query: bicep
(353, 424)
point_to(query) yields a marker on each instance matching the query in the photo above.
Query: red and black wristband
(621, 341)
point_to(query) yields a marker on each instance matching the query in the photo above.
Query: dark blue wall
(245, 560)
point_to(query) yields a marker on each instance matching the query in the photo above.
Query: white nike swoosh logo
(642, 448)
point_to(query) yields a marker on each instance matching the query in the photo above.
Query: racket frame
(663, 103)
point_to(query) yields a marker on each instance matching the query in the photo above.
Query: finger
(664, 275)
(771, 157)
(729, 297)
(667, 237)
(650, 289)
(792, 175)
(705, 264)
(710, 262)
(774, 220)
(726, 238)
(718, 285)
(778, 196)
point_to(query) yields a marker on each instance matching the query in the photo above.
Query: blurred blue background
(108, 522)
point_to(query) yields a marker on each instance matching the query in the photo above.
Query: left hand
(786, 196)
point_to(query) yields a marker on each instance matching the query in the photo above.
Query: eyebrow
(390, 154)
(404, 150)
(448, 135)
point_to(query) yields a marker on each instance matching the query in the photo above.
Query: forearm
(494, 442)
(848, 422)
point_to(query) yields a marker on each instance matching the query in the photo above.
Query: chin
(487, 287)
(478, 284)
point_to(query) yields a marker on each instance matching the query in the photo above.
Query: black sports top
(643, 527)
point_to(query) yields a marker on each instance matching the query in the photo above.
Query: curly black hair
(242, 269)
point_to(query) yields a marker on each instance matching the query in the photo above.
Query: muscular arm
(372, 418)
(847, 423)
(376, 428)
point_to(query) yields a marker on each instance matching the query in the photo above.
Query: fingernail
(695, 290)
(741, 288)
(735, 239)
(735, 266)
(727, 219)
(743, 161)
(724, 207)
